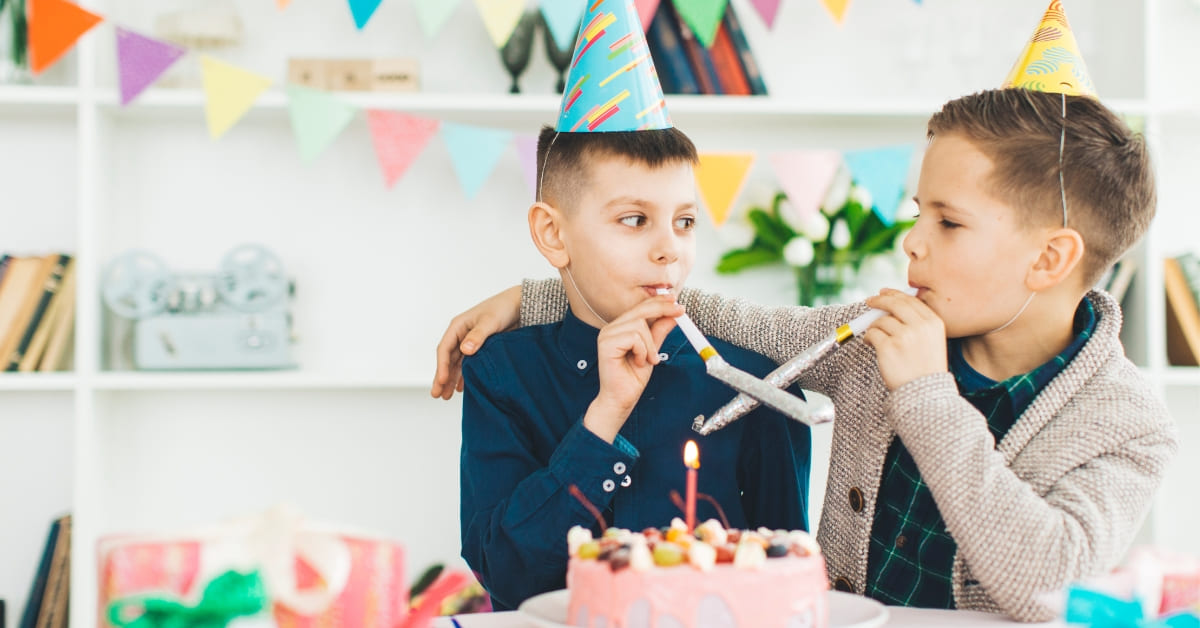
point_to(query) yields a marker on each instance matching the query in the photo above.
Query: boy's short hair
(570, 155)
(1106, 167)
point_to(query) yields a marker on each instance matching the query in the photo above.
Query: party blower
(782, 377)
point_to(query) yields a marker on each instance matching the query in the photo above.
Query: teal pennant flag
(884, 173)
(363, 10)
(474, 152)
(317, 119)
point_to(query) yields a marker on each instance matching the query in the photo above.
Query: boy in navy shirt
(604, 400)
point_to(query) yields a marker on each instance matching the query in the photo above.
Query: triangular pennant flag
(432, 14)
(703, 17)
(141, 60)
(883, 172)
(527, 153)
(837, 8)
(282, 4)
(229, 93)
(399, 138)
(1051, 61)
(474, 151)
(362, 10)
(562, 18)
(720, 177)
(805, 175)
(646, 10)
(317, 118)
(55, 26)
(768, 9)
(500, 17)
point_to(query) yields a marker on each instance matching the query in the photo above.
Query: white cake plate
(846, 610)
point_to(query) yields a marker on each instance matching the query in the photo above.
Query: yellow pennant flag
(230, 92)
(837, 8)
(720, 177)
(500, 17)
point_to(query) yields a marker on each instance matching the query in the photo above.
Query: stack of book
(685, 66)
(37, 312)
(1181, 276)
(49, 596)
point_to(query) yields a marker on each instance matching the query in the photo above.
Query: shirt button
(627, 481)
(900, 541)
(663, 357)
(856, 499)
(609, 486)
(842, 584)
(582, 364)
(619, 468)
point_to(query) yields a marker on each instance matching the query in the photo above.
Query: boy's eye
(948, 224)
(685, 223)
(632, 221)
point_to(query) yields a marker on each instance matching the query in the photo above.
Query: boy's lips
(652, 289)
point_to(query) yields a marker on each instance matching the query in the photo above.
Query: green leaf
(769, 230)
(742, 259)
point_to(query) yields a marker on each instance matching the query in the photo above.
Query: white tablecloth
(901, 617)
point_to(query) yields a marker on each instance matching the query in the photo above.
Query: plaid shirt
(911, 556)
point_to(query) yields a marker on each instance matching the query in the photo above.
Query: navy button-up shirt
(524, 445)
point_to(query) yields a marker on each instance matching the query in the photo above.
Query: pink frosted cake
(716, 577)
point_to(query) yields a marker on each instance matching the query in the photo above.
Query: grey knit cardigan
(1060, 498)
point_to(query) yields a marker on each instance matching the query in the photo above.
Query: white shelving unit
(352, 435)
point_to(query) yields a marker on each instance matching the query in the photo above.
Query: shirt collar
(577, 344)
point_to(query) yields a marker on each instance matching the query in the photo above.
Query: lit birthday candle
(691, 460)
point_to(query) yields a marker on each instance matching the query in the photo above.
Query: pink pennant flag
(805, 176)
(141, 60)
(646, 10)
(768, 9)
(399, 138)
(527, 152)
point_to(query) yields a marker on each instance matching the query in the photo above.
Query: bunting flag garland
(562, 18)
(55, 26)
(703, 17)
(527, 153)
(837, 8)
(646, 10)
(399, 139)
(432, 14)
(362, 10)
(141, 60)
(805, 175)
(317, 119)
(884, 173)
(720, 177)
(229, 93)
(767, 10)
(474, 152)
(282, 4)
(500, 17)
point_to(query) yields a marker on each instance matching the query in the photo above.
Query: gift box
(311, 575)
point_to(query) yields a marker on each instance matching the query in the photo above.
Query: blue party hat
(612, 85)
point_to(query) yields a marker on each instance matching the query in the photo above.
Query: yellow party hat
(1051, 61)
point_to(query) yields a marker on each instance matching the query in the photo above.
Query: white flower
(862, 196)
(815, 226)
(839, 191)
(841, 235)
(737, 232)
(798, 252)
(908, 210)
(791, 217)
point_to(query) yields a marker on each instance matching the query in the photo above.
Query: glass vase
(829, 280)
(14, 43)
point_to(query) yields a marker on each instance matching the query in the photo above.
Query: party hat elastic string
(1062, 141)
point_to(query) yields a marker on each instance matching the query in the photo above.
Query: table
(898, 616)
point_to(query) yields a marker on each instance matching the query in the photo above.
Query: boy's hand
(466, 334)
(626, 352)
(910, 342)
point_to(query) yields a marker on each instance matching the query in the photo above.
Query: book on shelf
(37, 311)
(1117, 279)
(49, 574)
(674, 71)
(730, 73)
(749, 65)
(698, 57)
(1183, 309)
(56, 599)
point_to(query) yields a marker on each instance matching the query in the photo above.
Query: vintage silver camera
(235, 318)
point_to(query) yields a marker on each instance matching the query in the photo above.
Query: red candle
(691, 460)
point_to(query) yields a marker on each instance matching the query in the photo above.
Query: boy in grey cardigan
(992, 443)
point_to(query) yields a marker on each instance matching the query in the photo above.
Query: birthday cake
(715, 577)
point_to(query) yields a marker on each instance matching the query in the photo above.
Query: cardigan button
(619, 468)
(627, 481)
(842, 584)
(582, 364)
(856, 499)
(608, 485)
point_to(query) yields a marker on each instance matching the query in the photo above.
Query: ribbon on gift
(1101, 610)
(227, 597)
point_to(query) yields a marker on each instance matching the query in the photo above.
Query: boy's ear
(1061, 255)
(545, 227)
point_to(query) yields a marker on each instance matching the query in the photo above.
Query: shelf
(37, 382)
(1182, 376)
(254, 380)
(38, 99)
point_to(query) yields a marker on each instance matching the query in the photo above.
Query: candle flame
(691, 455)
